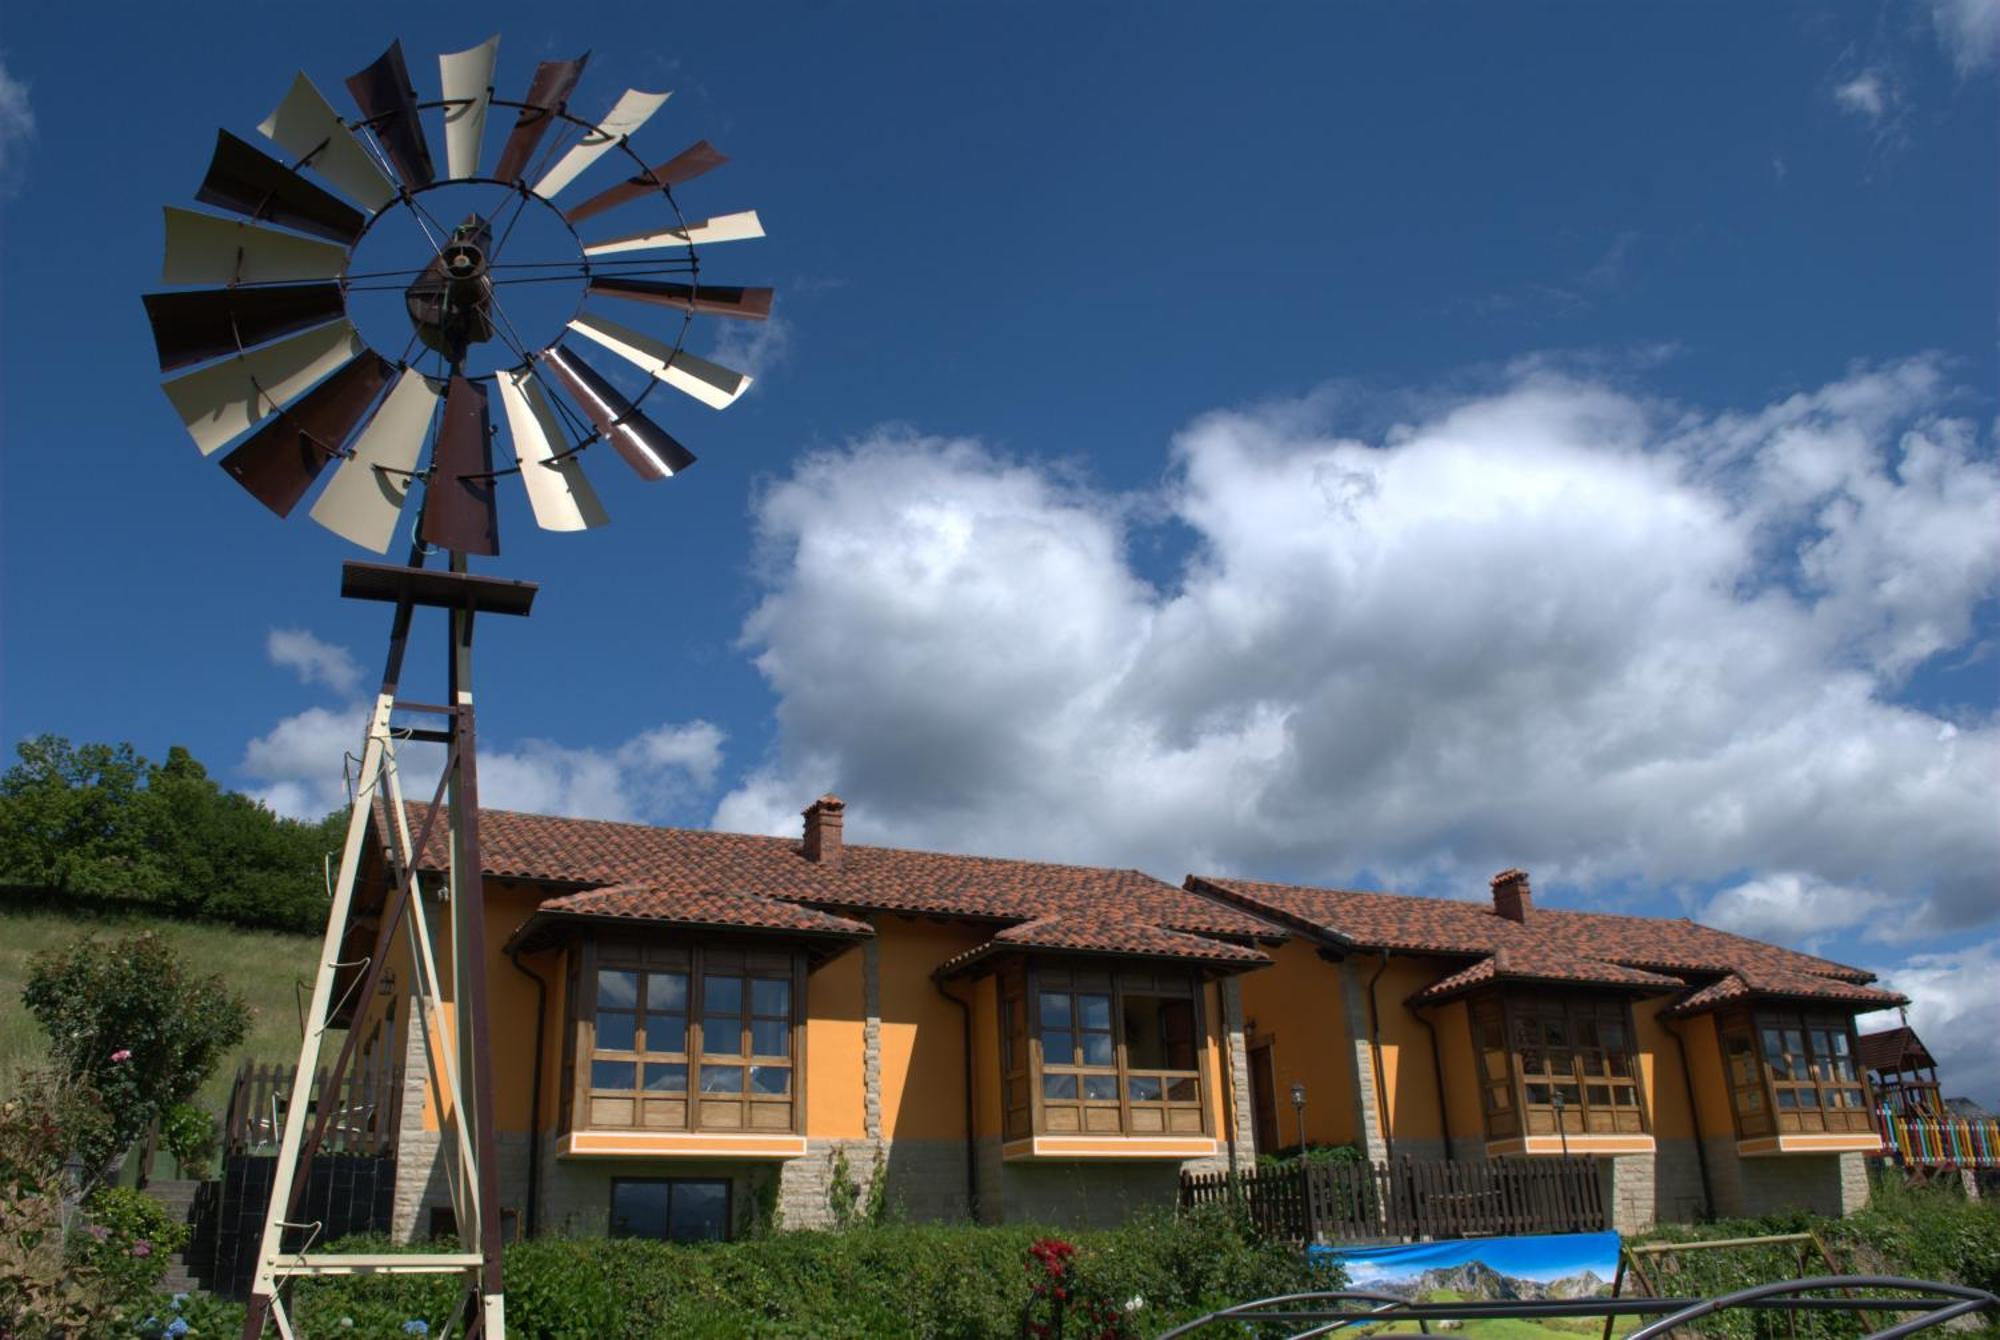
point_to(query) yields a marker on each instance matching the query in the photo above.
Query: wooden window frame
(728, 1186)
(1026, 1068)
(1507, 1100)
(1760, 1083)
(692, 1109)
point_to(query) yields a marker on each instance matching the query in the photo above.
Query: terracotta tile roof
(703, 909)
(1515, 963)
(1125, 911)
(1784, 985)
(1891, 1049)
(1397, 921)
(1093, 935)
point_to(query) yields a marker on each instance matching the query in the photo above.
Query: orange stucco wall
(923, 1033)
(984, 996)
(1466, 1116)
(1409, 1077)
(1295, 1005)
(834, 1098)
(1711, 1087)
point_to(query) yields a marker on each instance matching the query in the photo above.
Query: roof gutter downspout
(1694, 1119)
(1437, 1075)
(534, 1092)
(1375, 1055)
(971, 1123)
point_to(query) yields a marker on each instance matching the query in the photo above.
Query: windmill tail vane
(269, 369)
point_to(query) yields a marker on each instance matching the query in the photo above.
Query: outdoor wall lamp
(1299, 1109)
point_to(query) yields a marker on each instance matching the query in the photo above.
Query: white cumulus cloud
(1969, 31)
(313, 661)
(1554, 624)
(1790, 908)
(1866, 95)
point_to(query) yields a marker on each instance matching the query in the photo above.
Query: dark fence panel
(1408, 1198)
(365, 1108)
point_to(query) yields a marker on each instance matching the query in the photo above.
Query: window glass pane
(1055, 1009)
(722, 1079)
(1059, 1048)
(700, 1212)
(722, 995)
(1788, 1098)
(1561, 1065)
(1059, 1086)
(639, 1209)
(770, 996)
(1094, 1011)
(1839, 1043)
(1586, 1033)
(1625, 1095)
(1571, 1095)
(616, 1030)
(1592, 1062)
(1795, 1042)
(1611, 1035)
(1182, 1090)
(1143, 1088)
(1843, 1067)
(1097, 1049)
(1102, 1088)
(1774, 1044)
(614, 1075)
(667, 991)
(1552, 1033)
(770, 1037)
(666, 1077)
(666, 1033)
(1621, 1065)
(770, 1079)
(1599, 1094)
(617, 989)
(722, 1037)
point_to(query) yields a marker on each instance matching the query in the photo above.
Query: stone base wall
(924, 1180)
(1829, 1184)
(1073, 1195)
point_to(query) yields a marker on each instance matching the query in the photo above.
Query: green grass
(267, 967)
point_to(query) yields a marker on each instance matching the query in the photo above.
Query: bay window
(1092, 1051)
(1557, 1063)
(1793, 1070)
(684, 1038)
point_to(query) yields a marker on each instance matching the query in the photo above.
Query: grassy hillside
(273, 971)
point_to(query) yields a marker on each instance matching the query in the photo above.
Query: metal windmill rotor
(261, 305)
(266, 359)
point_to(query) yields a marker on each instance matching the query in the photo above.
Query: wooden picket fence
(1934, 1142)
(1410, 1198)
(366, 1108)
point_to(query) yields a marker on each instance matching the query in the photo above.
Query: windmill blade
(195, 327)
(685, 166)
(645, 446)
(460, 513)
(249, 181)
(710, 383)
(748, 304)
(280, 461)
(388, 102)
(467, 80)
(633, 111)
(207, 249)
(558, 492)
(365, 497)
(219, 402)
(306, 127)
(721, 228)
(548, 93)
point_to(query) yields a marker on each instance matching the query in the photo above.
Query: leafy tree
(101, 820)
(70, 819)
(130, 1020)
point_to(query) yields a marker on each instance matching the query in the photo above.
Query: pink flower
(142, 1248)
(122, 1055)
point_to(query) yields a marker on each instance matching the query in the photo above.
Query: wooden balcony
(366, 1107)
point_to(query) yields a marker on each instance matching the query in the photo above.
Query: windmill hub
(451, 302)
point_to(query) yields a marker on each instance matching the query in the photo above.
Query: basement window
(670, 1209)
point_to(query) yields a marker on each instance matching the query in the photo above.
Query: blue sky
(1367, 444)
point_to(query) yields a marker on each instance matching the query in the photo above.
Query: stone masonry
(1361, 1060)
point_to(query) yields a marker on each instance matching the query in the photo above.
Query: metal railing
(1318, 1314)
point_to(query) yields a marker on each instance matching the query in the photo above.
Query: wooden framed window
(670, 1209)
(1016, 1073)
(1793, 1070)
(1108, 1053)
(688, 1037)
(1557, 1062)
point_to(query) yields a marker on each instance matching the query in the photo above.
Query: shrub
(190, 1135)
(130, 1020)
(126, 1243)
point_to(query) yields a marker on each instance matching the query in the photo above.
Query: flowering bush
(128, 1241)
(129, 1020)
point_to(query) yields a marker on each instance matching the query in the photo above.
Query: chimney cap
(1508, 876)
(829, 802)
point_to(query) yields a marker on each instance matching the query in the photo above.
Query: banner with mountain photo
(1554, 1265)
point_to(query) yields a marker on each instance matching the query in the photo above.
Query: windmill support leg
(458, 1035)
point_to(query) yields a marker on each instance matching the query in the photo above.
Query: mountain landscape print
(1557, 1265)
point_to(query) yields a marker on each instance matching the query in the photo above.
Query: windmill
(265, 358)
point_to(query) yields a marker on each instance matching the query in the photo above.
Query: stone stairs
(176, 1197)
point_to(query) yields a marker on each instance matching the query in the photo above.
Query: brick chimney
(1511, 898)
(822, 845)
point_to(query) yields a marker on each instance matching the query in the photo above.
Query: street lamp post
(1561, 1129)
(1299, 1109)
